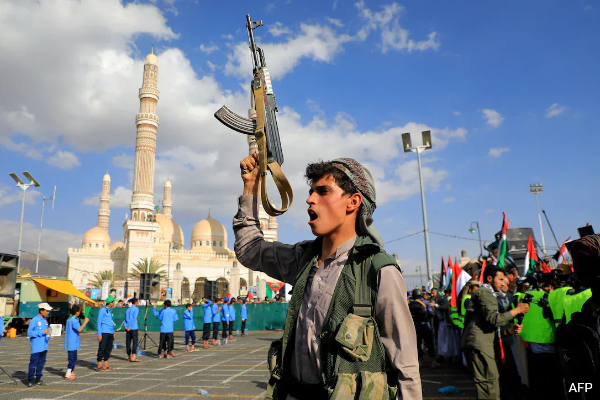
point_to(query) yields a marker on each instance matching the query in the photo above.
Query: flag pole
(551, 230)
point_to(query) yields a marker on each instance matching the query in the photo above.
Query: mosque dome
(116, 245)
(209, 233)
(96, 236)
(151, 58)
(169, 231)
(106, 178)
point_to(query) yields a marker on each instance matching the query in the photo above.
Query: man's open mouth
(312, 215)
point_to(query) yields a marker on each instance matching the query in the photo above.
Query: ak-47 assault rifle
(263, 125)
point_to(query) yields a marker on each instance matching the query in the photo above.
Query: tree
(99, 278)
(153, 266)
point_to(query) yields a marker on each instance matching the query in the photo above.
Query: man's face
(505, 284)
(44, 313)
(497, 282)
(329, 207)
(473, 289)
(434, 294)
(495, 253)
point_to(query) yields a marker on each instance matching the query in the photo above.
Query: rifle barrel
(255, 57)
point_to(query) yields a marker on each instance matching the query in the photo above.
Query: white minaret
(167, 202)
(139, 229)
(104, 211)
(142, 202)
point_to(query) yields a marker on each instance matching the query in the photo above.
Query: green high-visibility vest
(536, 328)
(455, 318)
(556, 298)
(575, 302)
(461, 315)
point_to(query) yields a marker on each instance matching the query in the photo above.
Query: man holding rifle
(348, 327)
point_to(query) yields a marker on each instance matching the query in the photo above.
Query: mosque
(152, 234)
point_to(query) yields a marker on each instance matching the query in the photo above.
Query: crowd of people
(505, 329)
(218, 314)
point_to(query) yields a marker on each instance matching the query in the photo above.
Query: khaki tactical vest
(353, 359)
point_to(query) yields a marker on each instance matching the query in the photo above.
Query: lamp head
(472, 230)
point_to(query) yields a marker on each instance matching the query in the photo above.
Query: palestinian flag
(250, 296)
(443, 281)
(449, 274)
(503, 246)
(562, 255)
(460, 277)
(531, 257)
(275, 286)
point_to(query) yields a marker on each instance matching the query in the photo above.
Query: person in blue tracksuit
(244, 316)
(231, 319)
(189, 327)
(225, 318)
(132, 329)
(106, 334)
(207, 308)
(167, 317)
(216, 319)
(72, 343)
(39, 335)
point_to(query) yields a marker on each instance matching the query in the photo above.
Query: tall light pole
(407, 144)
(44, 200)
(472, 230)
(536, 188)
(24, 186)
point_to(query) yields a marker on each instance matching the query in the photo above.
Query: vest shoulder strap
(366, 275)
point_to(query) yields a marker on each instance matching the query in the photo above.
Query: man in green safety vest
(538, 330)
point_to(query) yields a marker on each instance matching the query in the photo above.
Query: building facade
(150, 233)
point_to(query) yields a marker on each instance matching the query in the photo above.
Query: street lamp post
(24, 186)
(472, 230)
(44, 200)
(407, 144)
(537, 188)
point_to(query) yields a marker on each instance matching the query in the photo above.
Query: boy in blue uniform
(189, 327)
(106, 334)
(132, 329)
(207, 307)
(167, 317)
(39, 335)
(72, 343)
(244, 316)
(216, 319)
(225, 318)
(231, 319)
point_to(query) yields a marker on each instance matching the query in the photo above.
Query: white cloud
(10, 195)
(211, 65)
(457, 113)
(120, 198)
(448, 186)
(64, 160)
(555, 110)
(270, 7)
(315, 42)
(277, 29)
(335, 22)
(492, 117)
(490, 211)
(228, 36)
(208, 49)
(496, 152)
(54, 242)
(335, 4)
(393, 36)
(449, 200)
(86, 49)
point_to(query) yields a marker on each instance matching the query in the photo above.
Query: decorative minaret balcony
(151, 92)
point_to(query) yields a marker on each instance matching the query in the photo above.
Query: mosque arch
(199, 289)
(185, 288)
(222, 287)
(243, 283)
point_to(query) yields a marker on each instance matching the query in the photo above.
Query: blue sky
(509, 90)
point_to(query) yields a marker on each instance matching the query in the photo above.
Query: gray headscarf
(364, 183)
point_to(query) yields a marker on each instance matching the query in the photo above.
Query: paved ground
(236, 371)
